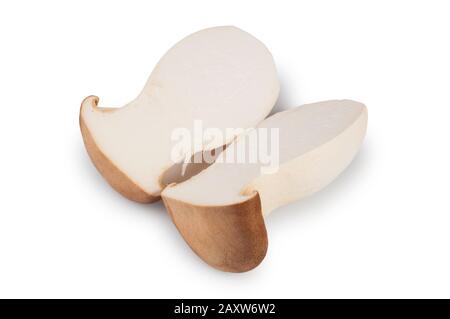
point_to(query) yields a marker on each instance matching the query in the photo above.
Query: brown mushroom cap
(230, 238)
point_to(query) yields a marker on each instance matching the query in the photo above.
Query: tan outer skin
(230, 238)
(114, 176)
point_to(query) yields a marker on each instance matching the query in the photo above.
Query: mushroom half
(220, 212)
(221, 76)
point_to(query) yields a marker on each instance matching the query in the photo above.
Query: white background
(382, 229)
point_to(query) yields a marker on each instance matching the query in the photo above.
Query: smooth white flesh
(222, 76)
(316, 143)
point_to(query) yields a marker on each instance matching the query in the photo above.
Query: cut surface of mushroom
(221, 76)
(316, 142)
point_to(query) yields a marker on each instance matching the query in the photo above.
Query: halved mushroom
(222, 76)
(220, 212)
